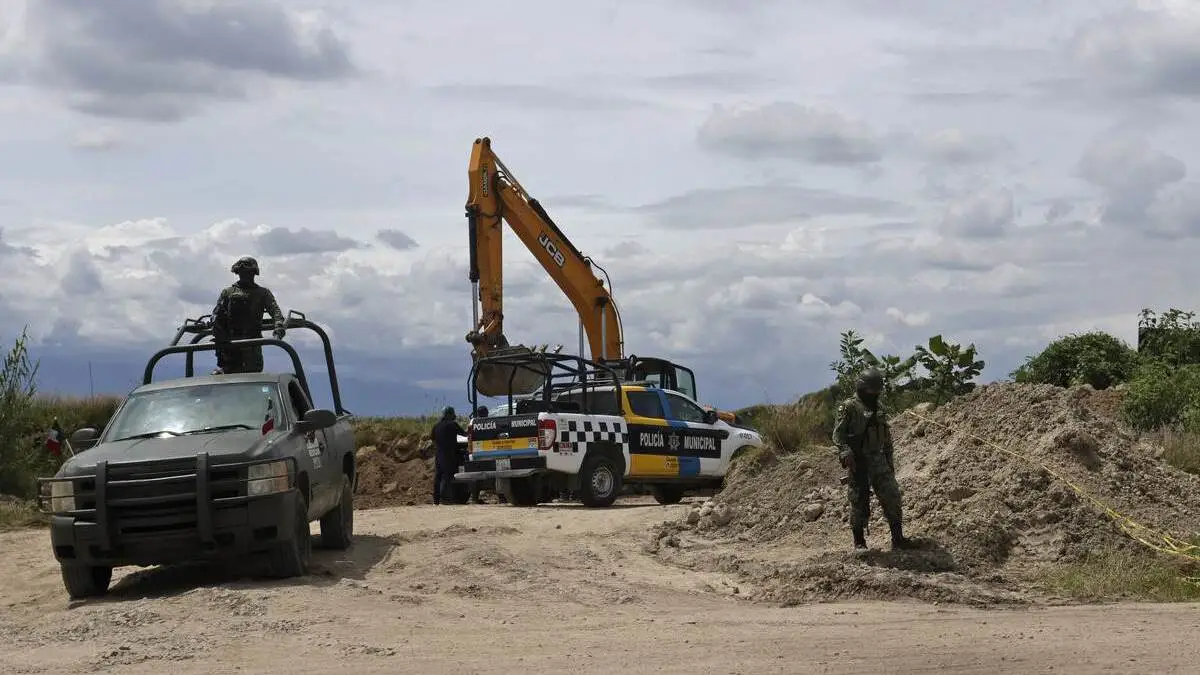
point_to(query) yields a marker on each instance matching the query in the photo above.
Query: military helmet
(448, 413)
(869, 380)
(245, 264)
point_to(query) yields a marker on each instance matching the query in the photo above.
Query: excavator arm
(494, 198)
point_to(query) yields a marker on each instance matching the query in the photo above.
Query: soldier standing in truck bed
(238, 316)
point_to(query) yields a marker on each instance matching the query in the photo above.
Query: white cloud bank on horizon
(756, 179)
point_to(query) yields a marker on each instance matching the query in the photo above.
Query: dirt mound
(988, 522)
(397, 472)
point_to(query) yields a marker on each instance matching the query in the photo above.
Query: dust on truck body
(590, 430)
(205, 467)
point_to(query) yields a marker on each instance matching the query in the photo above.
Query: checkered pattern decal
(593, 431)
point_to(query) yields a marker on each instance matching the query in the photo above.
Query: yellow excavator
(494, 198)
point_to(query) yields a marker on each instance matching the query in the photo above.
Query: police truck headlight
(268, 478)
(62, 496)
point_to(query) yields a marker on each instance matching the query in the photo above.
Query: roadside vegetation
(1109, 575)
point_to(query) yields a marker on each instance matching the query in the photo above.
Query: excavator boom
(495, 198)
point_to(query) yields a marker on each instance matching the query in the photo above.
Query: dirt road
(485, 589)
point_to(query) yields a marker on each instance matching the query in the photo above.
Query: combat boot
(899, 541)
(860, 540)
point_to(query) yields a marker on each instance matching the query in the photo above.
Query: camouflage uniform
(864, 444)
(238, 316)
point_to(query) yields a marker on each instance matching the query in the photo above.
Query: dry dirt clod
(813, 511)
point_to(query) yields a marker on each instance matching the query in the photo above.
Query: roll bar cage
(202, 328)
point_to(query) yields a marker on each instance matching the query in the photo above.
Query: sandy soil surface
(554, 589)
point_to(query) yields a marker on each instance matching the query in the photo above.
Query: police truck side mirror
(711, 417)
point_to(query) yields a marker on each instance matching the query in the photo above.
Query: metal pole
(91, 381)
(581, 338)
(474, 305)
(603, 334)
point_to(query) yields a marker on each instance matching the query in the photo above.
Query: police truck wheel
(600, 481)
(667, 494)
(290, 558)
(337, 526)
(85, 581)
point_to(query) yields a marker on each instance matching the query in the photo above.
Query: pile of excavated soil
(988, 524)
(398, 472)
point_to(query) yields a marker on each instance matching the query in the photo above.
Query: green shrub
(1162, 396)
(1094, 358)
(17, 389)
(1172, 337)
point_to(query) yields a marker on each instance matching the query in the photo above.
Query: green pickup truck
(205, 467)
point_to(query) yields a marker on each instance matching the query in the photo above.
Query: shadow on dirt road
(326, 568)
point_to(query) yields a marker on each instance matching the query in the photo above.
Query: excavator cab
(659, 372)
(663, 374)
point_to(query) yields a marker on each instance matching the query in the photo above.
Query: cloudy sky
(756, 176)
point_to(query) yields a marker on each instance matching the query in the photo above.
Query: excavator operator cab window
(685, 382)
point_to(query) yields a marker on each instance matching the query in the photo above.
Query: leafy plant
(1094, 358)
(901, 384)
(17, 389)
(950, 367)
(1160, 395)
(854, 359)
(1173, 337)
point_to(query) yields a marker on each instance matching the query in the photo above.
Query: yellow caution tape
(1154, 539)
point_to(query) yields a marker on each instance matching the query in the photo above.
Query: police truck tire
(337, 526)
(290, 558)
(599, 481)
(85, 581)
(667, 494)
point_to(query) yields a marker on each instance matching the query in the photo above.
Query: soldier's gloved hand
(848, 463)
(279, 333)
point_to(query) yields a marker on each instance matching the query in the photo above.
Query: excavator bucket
(499, 379)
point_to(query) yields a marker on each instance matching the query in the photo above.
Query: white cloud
(789, 130)
(994, 175)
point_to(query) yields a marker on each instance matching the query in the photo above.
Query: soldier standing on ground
(864, 443)
(238, 316)
(445, 441)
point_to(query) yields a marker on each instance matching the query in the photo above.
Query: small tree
(17, 388)
(1173, 337)
(854, 359)
(950, 368)
(897, 371)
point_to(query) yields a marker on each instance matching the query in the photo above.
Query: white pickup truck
(594, 438)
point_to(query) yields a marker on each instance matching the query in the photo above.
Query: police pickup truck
(201, 467)
(586, 431)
